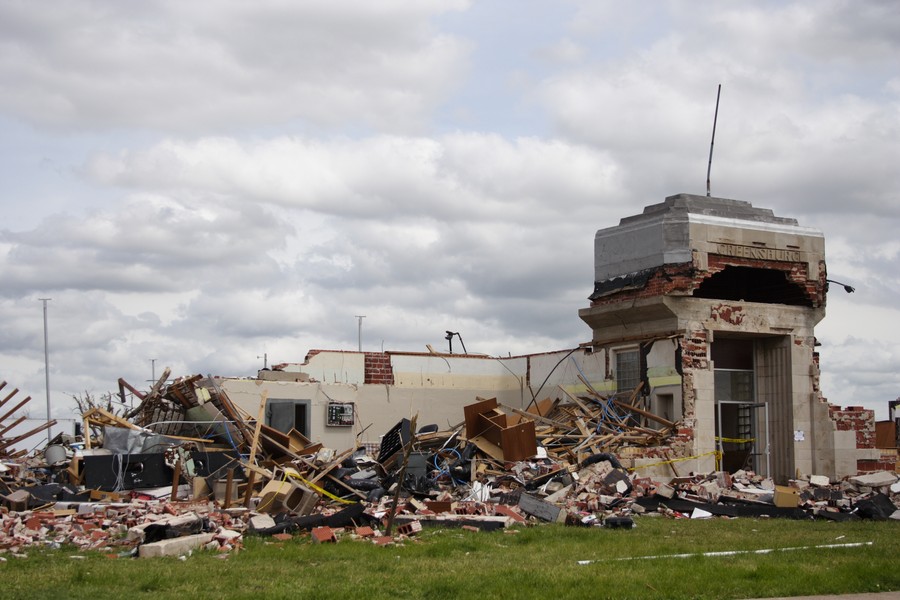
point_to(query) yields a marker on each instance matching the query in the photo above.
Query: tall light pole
(153, 371)
(46, 364)
(359, 335)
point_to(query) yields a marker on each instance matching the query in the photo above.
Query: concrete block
(411, 528)
(300, 500)
(175, 546)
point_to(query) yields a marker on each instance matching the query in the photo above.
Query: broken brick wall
(683, 279)
(378, 368)
(861, 421)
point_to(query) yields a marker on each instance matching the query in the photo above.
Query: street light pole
(46, 365)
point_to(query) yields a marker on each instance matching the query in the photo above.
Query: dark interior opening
(750, 284)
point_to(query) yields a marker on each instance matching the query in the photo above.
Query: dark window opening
(732, 353)
(749, 284)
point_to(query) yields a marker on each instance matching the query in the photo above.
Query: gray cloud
(242, 181)
(178, 67)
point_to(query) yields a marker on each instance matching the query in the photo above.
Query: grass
(536, 562)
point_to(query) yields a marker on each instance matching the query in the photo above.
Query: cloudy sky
(206, 183)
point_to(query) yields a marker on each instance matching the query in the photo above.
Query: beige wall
(378, 407)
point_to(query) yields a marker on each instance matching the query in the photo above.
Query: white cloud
(178, 66)
(202, 185)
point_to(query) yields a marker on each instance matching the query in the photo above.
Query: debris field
(186, 469)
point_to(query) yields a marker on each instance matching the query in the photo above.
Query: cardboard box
(786, 496)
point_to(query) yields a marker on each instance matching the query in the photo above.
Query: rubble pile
(187, 469)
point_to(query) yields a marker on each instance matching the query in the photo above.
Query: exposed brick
(365, 532)
(323, 535)
(506, 511)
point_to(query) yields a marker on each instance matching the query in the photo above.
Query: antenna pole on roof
(713, 141)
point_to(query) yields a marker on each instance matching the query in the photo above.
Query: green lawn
(535, 562)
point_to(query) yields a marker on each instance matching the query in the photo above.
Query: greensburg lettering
(758, 253)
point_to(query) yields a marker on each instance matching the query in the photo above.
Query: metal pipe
(46, 366)
(713, 140)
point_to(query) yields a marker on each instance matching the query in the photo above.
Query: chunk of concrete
(878, 479)
(665, 490)
(819, 480)
(259, 522)
(175, 546)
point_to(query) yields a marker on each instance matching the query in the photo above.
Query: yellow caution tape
(317, 488)
(735, 440)
(715, 453)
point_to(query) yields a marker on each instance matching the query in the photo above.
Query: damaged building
(703, 314)
(727, 296)
(697, 395)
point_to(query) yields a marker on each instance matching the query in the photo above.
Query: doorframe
(754, 430)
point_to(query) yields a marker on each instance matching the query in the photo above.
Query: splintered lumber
(12, 441)
(644, 413)
(221, 400)
(123, 385)
(99, 416)
(152, 396)
(259, 421)
(15, 408)
(4, 427)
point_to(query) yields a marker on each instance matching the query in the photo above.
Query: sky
(211, 186)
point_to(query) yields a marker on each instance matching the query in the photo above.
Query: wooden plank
(11, 394)
(644, 413)
(24, 436)
(13, 424)
(587, 412)
(123, 385)
(541, 419)
(259, 422)
(15, 408)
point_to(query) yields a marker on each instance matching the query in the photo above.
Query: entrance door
(285, 415)
(742, 436)
(740, 418)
